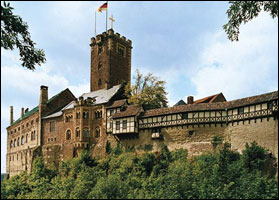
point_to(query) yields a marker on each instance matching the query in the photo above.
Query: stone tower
(110, 60)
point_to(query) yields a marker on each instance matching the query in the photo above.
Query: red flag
(103, 7)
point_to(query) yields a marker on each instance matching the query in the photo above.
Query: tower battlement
(110, 60)
(104, 36)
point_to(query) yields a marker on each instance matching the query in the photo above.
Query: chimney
(22, 113)
(107, 86)
(11, 115)
(43, 94)
(190, 100)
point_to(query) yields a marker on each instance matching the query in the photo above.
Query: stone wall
(197, 139)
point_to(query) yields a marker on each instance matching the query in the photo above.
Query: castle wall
(263, 131)
(22, 139)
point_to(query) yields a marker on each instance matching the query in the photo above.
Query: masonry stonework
(61, 127)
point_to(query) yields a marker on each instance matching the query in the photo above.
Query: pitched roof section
(253, 99)
(131, 110)
(36, 109)
(118, 103)
(211, 99)
(102, 96)
(179, 103)
(212, 106)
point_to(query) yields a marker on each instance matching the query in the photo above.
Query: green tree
(148, 91)
(14, 33)
(244, 11)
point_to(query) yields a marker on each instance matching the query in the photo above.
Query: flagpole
(95, 23)
(107, 18)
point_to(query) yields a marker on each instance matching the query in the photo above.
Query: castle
(61, 126)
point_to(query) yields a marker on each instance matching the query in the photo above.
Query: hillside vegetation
(124, 174)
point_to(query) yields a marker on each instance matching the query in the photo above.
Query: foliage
(244, 11)
(217, 140)
(148, 91)
(222, 174)
(14, 33)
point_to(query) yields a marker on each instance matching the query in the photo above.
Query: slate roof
(102, 96)
(212, 106)
(36, 109)
(179, 103)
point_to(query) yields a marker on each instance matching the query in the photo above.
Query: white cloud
(238, 69)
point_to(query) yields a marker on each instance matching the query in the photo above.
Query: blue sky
(181, 42)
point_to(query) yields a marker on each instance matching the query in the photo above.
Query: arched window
(97, 132)
(17, 141)
(85, 132)
(77, 132)
(11, 144)
(26, 139)
(22, 140)
(33, 135)
(68, 135)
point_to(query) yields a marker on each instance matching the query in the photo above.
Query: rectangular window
(85, 115)
(269, 105)
(111, 112)
(78, 115)
(184, 115)
(240, 110)
(121, 50)
(117, 125)
(52, 126)
(124, 124)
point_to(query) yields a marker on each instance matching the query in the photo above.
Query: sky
(183, 43)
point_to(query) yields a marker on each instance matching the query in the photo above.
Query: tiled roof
(118, 103)
(131, 110)
(209, 99)
(253, 99)
(212, 106)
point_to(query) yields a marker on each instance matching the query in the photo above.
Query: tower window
(100, 49)
(100, 65)
(121, 50)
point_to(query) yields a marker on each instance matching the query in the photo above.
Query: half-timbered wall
(194, 130)
(124, 125)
